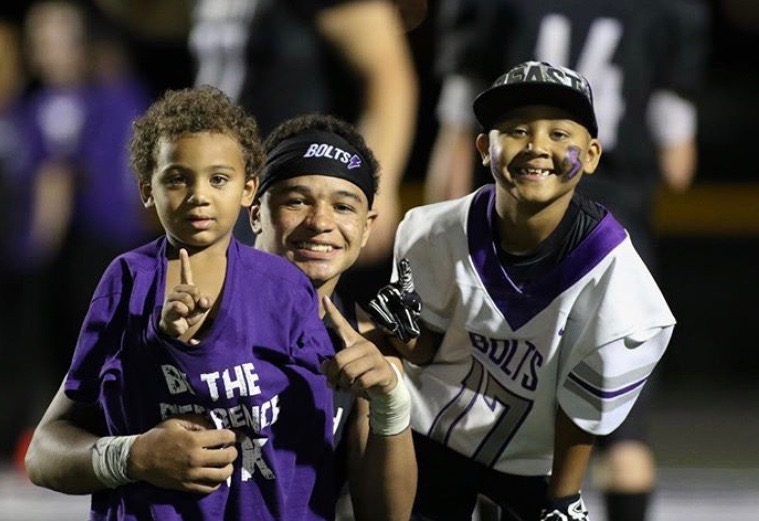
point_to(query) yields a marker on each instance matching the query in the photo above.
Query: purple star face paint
(495, 158)
(571, 164)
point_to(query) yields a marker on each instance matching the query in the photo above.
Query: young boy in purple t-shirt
(193, 322)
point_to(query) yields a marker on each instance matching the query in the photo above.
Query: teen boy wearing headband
(313, 208)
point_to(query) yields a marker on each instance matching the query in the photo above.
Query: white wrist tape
(109, 460)
(390, 414)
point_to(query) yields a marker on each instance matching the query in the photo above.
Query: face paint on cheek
(495, 158)
(571, 163)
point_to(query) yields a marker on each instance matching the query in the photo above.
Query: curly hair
(189, 111)
(327, 123)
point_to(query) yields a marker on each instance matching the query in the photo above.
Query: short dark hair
(327, 123)
(189, 111)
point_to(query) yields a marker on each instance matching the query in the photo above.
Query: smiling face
(317, 222)
(537, 155)
(198, 187)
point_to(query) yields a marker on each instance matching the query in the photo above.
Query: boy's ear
(249, 191)
(254, 216)
(371, 217)
(592, 156)
(146, 194)
(483, 147)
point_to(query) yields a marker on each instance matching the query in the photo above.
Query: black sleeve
(13, 12)
(468, 42)
(687, 27)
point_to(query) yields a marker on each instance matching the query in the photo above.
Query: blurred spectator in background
(17, 271)
(11, 150)
(644, 60)
(10, 83)
(83, 209)
(281, 58)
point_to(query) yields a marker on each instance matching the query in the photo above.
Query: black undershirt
(580, 219)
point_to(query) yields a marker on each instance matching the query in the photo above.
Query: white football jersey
(586, 336)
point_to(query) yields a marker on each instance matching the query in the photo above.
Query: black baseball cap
(537, 83)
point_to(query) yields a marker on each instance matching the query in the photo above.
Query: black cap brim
(493, 104)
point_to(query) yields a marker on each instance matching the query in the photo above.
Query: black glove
(570, 508)
(397, 306)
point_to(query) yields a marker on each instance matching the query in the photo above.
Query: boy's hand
(359, 367)
(184, 306)
(397, 306)
(183, 453)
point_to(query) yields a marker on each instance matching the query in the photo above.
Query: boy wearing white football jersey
(540, 322)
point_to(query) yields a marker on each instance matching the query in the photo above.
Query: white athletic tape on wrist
(109, 460)
(390, 414)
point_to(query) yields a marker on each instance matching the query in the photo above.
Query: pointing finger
(339, 323)
(185, 269)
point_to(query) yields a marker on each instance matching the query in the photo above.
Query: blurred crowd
(75, 74)
(67, 100)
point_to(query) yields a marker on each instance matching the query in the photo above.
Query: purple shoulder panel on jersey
(519, 306)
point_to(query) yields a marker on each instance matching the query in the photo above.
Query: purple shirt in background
(89, 127)
(108, 206)
(18, 156)
(256, 371)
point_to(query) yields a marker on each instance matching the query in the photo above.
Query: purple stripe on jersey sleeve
(519, 306)
(605, 395)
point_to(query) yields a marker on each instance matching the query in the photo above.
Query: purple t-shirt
(256, 371)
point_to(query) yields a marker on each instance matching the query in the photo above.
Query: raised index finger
(339, 323)
(185, 270)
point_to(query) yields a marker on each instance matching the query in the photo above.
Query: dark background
(708, 272)
(709, 237)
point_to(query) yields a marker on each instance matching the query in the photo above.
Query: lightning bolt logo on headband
(355, 162)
